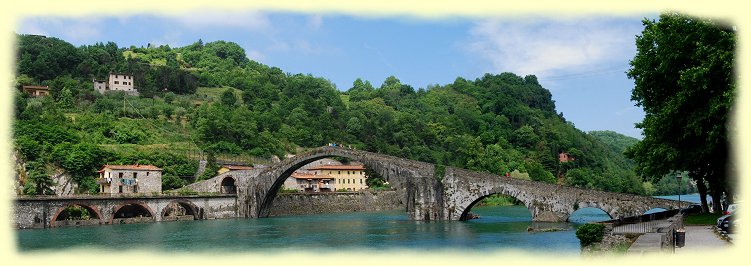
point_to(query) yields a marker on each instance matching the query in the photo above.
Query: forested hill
(211, 97)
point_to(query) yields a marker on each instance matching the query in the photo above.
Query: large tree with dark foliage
(683, 74)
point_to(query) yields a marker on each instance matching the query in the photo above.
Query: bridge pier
(549, 216)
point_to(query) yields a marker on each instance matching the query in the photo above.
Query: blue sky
(581, 60)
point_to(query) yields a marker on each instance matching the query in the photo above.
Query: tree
(228, 97)
(38, 182)
(683, 75)
(66, 98)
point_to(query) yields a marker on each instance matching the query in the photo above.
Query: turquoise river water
(498, 228)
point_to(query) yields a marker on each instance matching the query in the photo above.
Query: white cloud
(315, 22)
(171, 38)
(546, 47)
(256, 55)
(250, 20)
(72, 30)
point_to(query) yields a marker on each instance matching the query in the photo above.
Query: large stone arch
(91, 208)
(413, 180)
(187, 205)
(142, 205)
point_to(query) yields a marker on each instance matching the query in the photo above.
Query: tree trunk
(702, 193)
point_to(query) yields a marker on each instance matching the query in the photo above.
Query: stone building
(122, 179)
(305, 182)
(116, 82)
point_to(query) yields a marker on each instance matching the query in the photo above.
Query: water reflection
(588, 215)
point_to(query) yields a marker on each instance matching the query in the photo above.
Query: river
(498, 228)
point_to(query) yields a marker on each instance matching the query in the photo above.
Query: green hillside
(210, 101)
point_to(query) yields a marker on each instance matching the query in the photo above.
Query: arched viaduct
(433, 192)
(42, 212)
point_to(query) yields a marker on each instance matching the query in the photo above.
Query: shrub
(589, 234)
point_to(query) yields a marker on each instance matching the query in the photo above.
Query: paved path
(702, 238)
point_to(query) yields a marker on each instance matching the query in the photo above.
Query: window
(340, 172)
(360, 181)
(117, 82)
(116, 77)
(135, 176)
(120, 175)
(120, 188)
(147, 173)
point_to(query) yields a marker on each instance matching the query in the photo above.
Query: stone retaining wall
(318, 203)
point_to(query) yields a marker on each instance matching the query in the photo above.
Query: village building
(123, 179)
(36, 91)
(347, 177)
(227, 168)
(564, 157)
(116, 82)
(306, 182)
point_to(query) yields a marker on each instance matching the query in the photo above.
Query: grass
(216, 93)
(498, 200)
(701, 219)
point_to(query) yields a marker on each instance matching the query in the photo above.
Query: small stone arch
(466, 214)
(92, 210)
(595, 205)
(129, 211)
(228, 185)
(181, 210)
(654, 210)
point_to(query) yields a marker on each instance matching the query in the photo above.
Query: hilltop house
(564, 157)
(116, 82)
(120, 179)
(36, 91)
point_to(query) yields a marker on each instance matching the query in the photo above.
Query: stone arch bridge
(43, 212)
(431, 192)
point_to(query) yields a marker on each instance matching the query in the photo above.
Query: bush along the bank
(589, 234)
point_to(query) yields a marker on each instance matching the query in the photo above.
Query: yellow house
(227, 168)
(346, 177)
(122, 179)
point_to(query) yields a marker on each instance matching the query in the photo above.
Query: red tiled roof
(310, 176)
(36, 87)
(238, 167)
(137, 167)
(338, 167)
